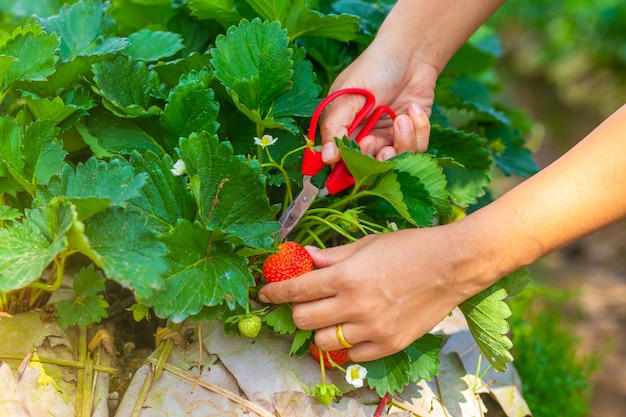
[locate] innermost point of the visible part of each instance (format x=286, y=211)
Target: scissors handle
x=340, y=178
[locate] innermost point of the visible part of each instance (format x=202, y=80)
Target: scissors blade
x=298, y=207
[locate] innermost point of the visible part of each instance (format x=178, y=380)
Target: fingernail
x=387, y=154
x=328, y=151
x=311, y=248
x=404, y=124
x=263, y=298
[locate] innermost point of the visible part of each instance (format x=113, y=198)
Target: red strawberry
x=339, y=356
x=290, y=261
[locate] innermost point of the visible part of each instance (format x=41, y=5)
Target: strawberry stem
x=381, y=405
x=322, y=368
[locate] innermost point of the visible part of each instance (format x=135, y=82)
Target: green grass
x=555, y=375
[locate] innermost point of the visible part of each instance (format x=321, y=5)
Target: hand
x=405, y=86
x=387, y=290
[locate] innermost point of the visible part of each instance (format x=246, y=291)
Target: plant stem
x=381, y=405
x=314, y=237
x=330, y=225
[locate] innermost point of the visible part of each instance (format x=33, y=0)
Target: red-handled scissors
x=339, y=178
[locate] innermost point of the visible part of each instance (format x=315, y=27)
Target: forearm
x=581, y=192
x=434, y=30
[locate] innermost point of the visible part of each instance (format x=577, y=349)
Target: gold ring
x=342, y=339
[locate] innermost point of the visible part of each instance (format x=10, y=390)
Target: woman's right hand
x=397, y=80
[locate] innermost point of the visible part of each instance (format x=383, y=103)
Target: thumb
x=338, y=117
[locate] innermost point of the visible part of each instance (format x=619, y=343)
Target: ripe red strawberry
x=339, y=356
x=290, y=261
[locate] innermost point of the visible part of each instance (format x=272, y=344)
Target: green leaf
x=107, y=134
x=202, y=273
x=515, y=282
x=5, y=64
x=67, y=74
x=418, y=361
x=229, y=191
x=223, y=11
x=29, y=246
x=301, y=100
x=190, y=108
x=467, y=180
x=89, y=307
x=147, y=45
x=140, y=312
x=471, y=60
x=171, y=71
x=254, y=62
x=416, y=199
x=43, y=154
x=363, y=168
x=388, y=188
x=9, y=213
x=301, y=342
x=35, y=53
x=486, y=315
x=281, y=320
x=514, y=159
x=31, y=156
x=85, y=28
x=164, y=199
x=11, y=138
x=128, y=88
x=425, y=169
x=300, y=20
x=114, y=181
x=424, y=357
x=118, y=241
x=389, y=374
x=62, y=110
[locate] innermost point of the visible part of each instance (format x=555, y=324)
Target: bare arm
x=433, y=30
x=400, y=68
x=581, y=192
x=390, y=289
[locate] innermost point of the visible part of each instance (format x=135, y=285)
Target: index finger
x=307, y=287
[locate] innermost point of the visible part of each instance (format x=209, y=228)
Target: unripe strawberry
x=290, y=261
x=339, y=356
x=250, y=326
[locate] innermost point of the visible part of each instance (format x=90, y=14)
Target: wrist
x=487, y=247
x=432, y=31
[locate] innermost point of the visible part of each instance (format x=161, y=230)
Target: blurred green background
x=564, y=64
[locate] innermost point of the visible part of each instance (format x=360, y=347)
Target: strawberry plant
x=127, y=143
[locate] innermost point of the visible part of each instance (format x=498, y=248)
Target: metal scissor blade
x=298, y=207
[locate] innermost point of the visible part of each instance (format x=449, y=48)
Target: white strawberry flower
x=265, y=141
x=355, y=375
x=179, y=168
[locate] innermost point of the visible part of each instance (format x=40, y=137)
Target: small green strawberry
x=249, y=326
x=326, y=393
x=290, y=261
